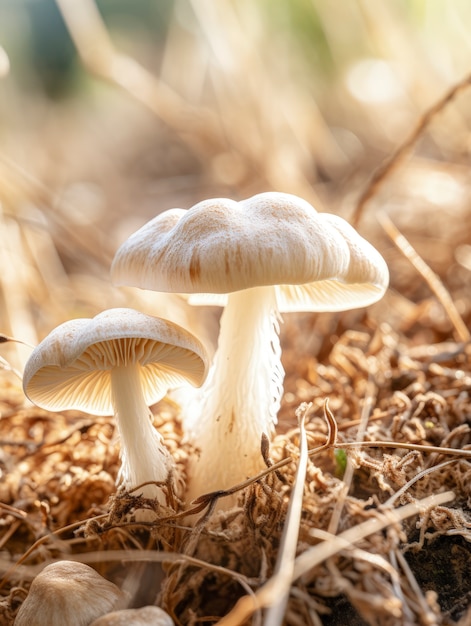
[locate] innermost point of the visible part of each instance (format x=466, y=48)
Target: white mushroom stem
x=241, y=395
x=143, y=456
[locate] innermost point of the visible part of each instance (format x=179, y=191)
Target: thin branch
x=462, y=452
x=429, y=276
x=384, y=170
x=284, y=567
x=204, y=500
x=390, y=501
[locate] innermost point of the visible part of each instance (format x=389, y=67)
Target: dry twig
x=266, y=596
x=425, y=271
x=286, y=556
x=394, y=161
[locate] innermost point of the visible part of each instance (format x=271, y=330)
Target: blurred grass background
x=111, y=112
x=173, y=101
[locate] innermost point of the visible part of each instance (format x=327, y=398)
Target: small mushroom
x=145, y=616
x=67, y=593
x=120, y=361
x=259, y=257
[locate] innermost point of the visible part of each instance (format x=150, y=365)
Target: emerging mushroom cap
x=145, y=616
x=317, y=260
x=70, y=368
x=67, y=592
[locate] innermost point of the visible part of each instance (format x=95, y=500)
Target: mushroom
x=67, y=593
x=120, y=361
x=146, y=615
x=268, y=254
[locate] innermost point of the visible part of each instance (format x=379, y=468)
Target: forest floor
x=380, y=397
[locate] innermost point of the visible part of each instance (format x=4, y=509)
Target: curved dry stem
x=332, y=432
x=154, y=556
x=200, y=503
x=6, y=338
x=463, y=452
x=384, y=170
x=432, y=280
x=390, y=501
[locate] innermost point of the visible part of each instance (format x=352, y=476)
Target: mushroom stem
x=242, y=394
x=143, y=456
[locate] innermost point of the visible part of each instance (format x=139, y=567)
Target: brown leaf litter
x=384, y=535
x=58, y=496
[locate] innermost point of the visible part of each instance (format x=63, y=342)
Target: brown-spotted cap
x=317, y=261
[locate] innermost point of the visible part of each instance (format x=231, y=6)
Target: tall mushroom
x=120, y=361
x=269, y=254
x=68, y=593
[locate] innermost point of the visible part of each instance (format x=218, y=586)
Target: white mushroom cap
x=219, y=246
x=121, y=361
x=67, y=593
x=70, y=369
x=260, y=257
x=145, y=616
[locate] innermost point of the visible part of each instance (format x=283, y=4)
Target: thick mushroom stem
x=144, y=458
x=241, y=395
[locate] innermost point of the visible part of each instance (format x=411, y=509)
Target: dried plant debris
x=397, y=427
x=384, y=531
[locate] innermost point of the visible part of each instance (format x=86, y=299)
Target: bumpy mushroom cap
x=121, y=361
x=145, y=616
x=67, y=593
x=317, y=260
x=269, y=254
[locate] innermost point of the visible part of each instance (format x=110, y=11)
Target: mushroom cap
x=317, y=260
x=146, y=615
x=71, y=367
x=67, y=592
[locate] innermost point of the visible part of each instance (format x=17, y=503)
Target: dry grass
x=378, y=511
x=354, y=546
